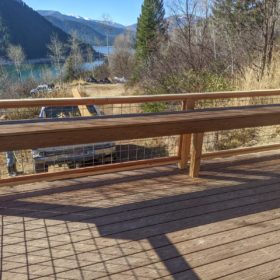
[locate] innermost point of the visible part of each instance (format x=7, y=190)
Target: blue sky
x=121, y=11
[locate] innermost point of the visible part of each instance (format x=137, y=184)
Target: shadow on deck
x=147, y=224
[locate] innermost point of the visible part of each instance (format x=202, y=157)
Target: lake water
x=104, y=49
x=38, y=71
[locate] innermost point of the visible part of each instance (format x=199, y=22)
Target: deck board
x=147, y=224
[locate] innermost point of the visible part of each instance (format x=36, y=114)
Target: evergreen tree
x=69, y=70
x=239, y=15
x=251, y=27
x=151, y=29
x=4, y=38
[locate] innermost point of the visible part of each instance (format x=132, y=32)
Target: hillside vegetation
x=90, y=31
x=23, y=26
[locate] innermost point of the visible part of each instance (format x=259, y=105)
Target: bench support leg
x=196, y=152
x=185, y=139
x=185, y=149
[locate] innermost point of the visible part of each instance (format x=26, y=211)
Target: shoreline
x=100, y=55
x=29, y=61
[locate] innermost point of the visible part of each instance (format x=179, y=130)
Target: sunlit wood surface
x=147, y=224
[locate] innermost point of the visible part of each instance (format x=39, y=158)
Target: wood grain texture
x=40, y=134
x=155, y=223
x=21, y=103
x=185, y=139
x=82, y=108
x=196, y=152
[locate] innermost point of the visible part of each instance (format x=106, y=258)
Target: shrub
x=102, y=71
x=122, y=61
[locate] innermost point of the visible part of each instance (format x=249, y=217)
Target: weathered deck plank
x=147, y=224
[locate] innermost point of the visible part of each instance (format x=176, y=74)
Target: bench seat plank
x=43, y=133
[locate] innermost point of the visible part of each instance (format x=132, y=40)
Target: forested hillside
x=91, y=31
x=23, y=26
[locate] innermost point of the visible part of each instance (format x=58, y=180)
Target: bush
x=187, y=82
x=122, y=60
x=70, y=73
x=102, y=71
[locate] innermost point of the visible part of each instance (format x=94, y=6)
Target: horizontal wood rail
x=90, y=171
x=25, y=103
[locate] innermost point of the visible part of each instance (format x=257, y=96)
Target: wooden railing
x=189, y=144
x=184, y=97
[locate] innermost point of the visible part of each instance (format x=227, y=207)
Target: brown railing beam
x=25, y=103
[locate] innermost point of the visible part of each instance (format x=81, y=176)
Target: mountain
x=177, y=21
x=132, y=27
x=173, y=22
x=91, y=31
x=29, y=29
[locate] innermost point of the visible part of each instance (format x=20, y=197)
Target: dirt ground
x=98, y=90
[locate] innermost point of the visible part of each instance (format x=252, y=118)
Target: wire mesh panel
x=236, y=102
x=49, y=112
x=15, y=163
x=241, y=138
x=140, y=108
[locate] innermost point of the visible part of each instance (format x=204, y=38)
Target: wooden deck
x=147, y=224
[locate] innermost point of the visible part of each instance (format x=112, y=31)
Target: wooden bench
x=40, y=134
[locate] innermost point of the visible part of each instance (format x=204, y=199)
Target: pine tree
x=151, y=29
x=4, y=38
x=239, y=14
x=69, y=70
x=251, y=27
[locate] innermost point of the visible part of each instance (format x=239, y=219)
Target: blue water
x=103, y=49
x=37, y=71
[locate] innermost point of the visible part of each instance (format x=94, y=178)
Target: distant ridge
x=29, y=29
x=91, y=31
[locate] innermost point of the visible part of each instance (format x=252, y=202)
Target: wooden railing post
x=196, y=153
x=185, y=139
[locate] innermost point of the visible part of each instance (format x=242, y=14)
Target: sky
x=124, y=12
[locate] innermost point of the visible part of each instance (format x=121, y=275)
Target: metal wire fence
x=62, y=158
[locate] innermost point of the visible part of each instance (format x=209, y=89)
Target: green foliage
x=250, y=28
x=102, y=71
x=151, y=29
x=69, y=70
x=248, y=11
x=186, y=82
x=238, y=17
x=190, y=81
x=155, y=107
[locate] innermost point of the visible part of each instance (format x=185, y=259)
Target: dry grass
x=105, y=90
x=252, y=136
x=251, y=82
